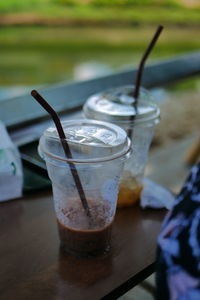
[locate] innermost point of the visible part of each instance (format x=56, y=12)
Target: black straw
x=65, y=146
x=140, y=73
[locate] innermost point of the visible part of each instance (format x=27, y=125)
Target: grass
x=135, y=14
x=13, y=6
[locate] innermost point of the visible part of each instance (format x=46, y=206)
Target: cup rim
x=91, y=112
x=121, y=138
x=125, y=153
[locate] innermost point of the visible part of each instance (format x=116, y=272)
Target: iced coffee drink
x=94, y=237
x=116, y=106
x=99, y=151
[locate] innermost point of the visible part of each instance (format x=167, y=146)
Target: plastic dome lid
x=116, y=105
x=89, y=141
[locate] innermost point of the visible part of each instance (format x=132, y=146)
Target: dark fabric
x=178, y=254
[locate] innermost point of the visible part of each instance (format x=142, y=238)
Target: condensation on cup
x=99, y=151
x=116, y=106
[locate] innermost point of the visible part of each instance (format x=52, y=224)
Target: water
x=50, y=55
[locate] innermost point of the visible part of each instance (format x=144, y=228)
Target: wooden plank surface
x=33, y=267
x=167, y=166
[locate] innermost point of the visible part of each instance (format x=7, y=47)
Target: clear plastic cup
x=99, y=151
x=116, y=106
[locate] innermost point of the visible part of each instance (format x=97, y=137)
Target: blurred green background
x=48, y=41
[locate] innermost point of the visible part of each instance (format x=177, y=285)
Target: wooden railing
x=22, y=115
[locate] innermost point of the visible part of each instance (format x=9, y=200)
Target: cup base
x=85, y=243
x=80, y=254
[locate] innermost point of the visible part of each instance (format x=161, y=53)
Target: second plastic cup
x=99, y=150
x=116, y=106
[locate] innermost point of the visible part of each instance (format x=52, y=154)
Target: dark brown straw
x=65, y=146
x=140, y=73
x=142, y=62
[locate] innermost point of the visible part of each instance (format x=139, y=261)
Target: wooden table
x=33, y=267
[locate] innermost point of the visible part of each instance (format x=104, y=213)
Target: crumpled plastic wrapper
x=155, y=196
x=11, y=175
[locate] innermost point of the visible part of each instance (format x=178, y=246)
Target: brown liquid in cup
x=128, y=197
x=85, y=243
x=129, y=190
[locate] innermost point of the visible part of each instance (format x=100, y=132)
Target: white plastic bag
x=11, y=175
x=155, y=196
